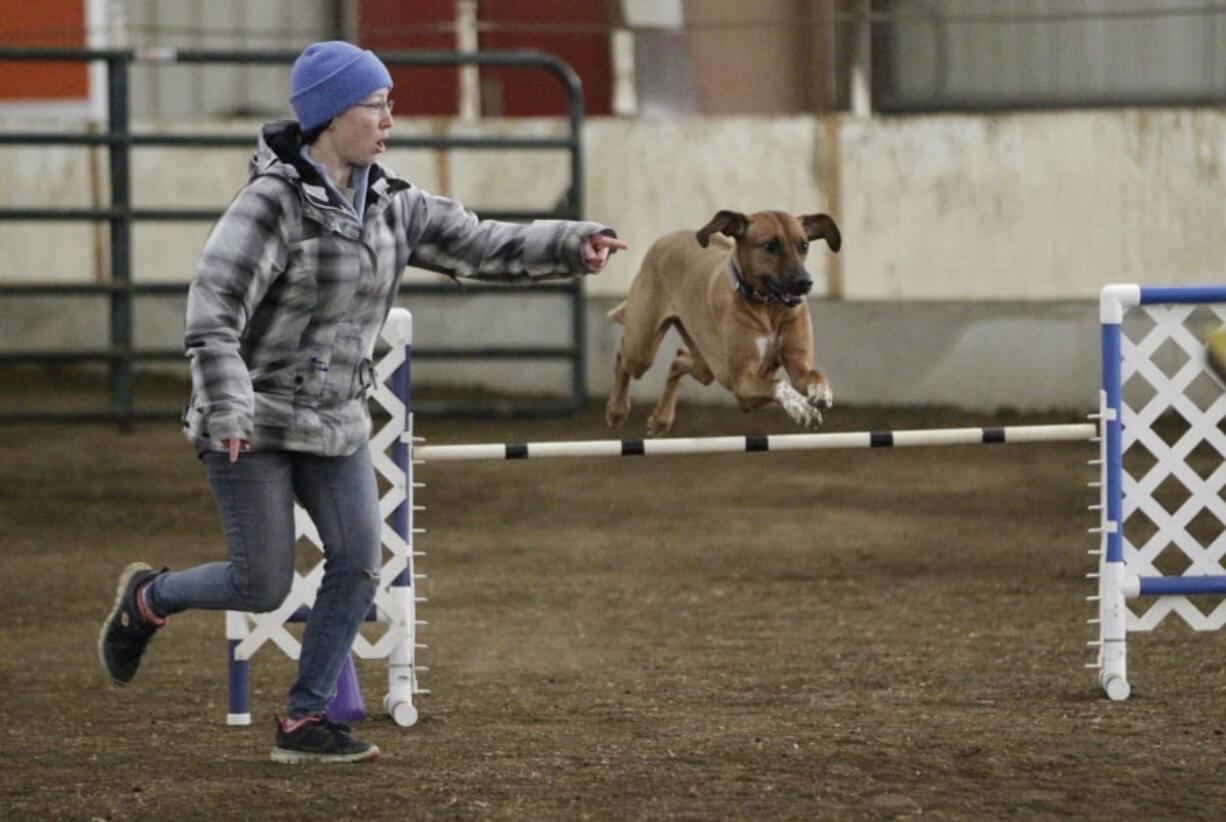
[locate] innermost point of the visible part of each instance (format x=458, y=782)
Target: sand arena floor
x=855, y=634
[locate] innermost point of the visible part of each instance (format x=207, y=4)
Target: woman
x=291, y=290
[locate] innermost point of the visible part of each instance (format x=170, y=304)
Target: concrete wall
x=973, y=245
x=217, y=89
x=1052, y=51
x=1032, y=206
x=979, y=356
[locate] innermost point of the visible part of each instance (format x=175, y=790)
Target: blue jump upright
x=1155, y=374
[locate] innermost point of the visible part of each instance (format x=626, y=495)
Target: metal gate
x=121, y=356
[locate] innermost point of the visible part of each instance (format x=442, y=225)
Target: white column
x=862, y=65
x=104, y=27
x=625, y=93
x=470, y=77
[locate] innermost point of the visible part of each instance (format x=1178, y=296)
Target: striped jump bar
x=1082, y=432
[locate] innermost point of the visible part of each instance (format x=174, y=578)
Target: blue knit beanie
x=328, y=78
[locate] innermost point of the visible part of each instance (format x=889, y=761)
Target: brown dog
x=740, y=309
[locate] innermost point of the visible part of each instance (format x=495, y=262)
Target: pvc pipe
x=1079, y=432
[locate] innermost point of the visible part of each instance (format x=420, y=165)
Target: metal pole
x=338, y=20
x=121, y=239
x=574, y=96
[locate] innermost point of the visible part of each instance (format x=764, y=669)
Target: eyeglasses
x=386, y=104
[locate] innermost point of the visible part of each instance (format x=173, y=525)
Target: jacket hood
x=277, y=153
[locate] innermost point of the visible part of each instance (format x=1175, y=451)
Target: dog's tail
x=618, y=315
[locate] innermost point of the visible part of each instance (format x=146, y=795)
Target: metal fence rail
x=118, y=139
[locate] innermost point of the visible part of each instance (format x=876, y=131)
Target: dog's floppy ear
x=822, y=227
x=732, y=223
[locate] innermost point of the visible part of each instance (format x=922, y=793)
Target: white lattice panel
x=376, y=640
x=1173, y=448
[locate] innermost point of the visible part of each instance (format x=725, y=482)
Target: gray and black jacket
x=291, y=291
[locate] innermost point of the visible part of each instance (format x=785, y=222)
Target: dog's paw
x=657, y=427
x=797, y=406
x=813, y=420
x=615, y=414
x=821, y=397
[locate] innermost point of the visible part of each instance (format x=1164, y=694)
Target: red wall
x=426, y=91
x=51, y=23
x=517, y=92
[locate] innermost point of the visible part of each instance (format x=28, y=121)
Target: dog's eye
x=803, y=247
x=771, y=246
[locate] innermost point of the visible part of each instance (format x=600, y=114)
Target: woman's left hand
x=597, y=248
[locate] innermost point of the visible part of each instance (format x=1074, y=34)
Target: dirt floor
x=854, y=634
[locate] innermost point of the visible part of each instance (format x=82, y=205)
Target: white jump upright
x=1160, y=408
x=396, y=599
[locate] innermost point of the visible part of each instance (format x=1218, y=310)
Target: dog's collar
x=743, y=288
x=746, y=290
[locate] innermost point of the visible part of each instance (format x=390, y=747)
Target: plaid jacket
x=291, y=291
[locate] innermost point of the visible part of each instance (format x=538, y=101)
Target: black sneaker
x=316, y=739
x=127, y=630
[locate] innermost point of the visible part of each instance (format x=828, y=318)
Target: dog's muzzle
x=789, y=293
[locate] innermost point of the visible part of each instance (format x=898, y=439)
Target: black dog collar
x=739, y=284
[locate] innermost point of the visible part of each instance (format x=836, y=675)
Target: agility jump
x=1155, y=369
x=1083, y=432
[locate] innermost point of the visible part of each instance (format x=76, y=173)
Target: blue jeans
x=256, y=499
